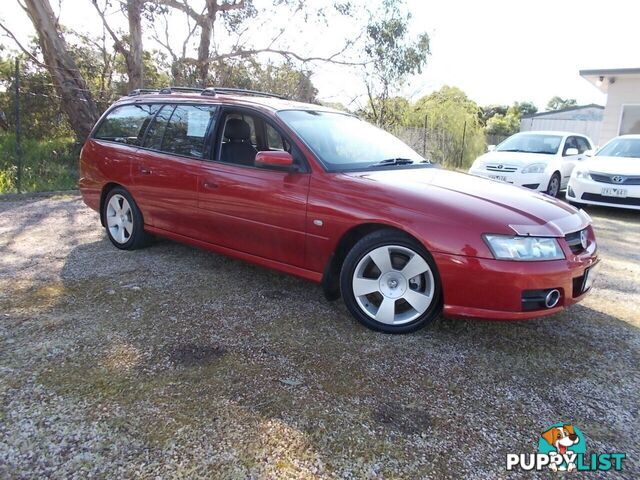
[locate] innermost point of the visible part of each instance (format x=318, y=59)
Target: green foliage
x=46, y=164
x=283, y=79
x=446, y=112
x=39, y=105
x=393, y=56
x=503, y=121
x=559, y=103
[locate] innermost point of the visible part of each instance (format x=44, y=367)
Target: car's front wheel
x=553, y=188
x=390, y=283
x=123, y=220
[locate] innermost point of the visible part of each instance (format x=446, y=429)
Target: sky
x=497, y=51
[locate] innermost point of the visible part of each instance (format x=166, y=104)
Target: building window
x=630, y=121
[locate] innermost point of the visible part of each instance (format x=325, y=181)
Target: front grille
x=574, y=241
x=501, y=168
x=606, y=178
x=594, y=197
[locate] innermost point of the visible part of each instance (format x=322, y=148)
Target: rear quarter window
x=126, y=124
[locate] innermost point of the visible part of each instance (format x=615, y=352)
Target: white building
x=622, y=112
x=585, y=119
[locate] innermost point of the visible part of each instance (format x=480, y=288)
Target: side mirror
x=279, y=160
x=491, y=148
x=589, y=153
x=571, y=151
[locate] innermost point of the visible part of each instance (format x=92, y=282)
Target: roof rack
x=210, y=91
x=141, y=91
x=242, y=91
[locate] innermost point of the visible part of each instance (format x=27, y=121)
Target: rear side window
x=155, y=134
x=186, y=130
x=126, y=124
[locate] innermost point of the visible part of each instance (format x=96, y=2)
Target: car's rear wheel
x=553, y=188
x=123, y=220
x=390, y=283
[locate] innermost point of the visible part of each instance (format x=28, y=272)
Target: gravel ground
x=171, y=362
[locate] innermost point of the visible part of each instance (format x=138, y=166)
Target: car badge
x=583, y=239
x=500, y=167
x=617, y=179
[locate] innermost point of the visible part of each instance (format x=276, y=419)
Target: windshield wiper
x=392, y=161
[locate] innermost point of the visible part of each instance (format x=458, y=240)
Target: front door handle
x=210, y=185
x=145, y=171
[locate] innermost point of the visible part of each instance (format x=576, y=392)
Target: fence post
x=17, y=113
x=424, y=137
x=464, y=134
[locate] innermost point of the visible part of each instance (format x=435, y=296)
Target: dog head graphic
x=561, y=437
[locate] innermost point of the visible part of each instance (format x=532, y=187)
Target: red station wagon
x=320, y=194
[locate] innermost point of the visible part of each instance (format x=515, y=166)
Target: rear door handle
x=210, y=185
x=145, y=171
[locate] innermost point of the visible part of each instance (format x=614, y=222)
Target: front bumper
x=493, y=289
x=587, y=191
x=534, y=181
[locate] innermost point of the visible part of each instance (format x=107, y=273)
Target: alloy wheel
x=119, y=217
x=554, y=186
x=393, y=284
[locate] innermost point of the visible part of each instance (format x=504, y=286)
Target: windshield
x=531, y=143
x=621, y=147
x=342, y=142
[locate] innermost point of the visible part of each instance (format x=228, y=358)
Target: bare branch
x=119, y=46
x=226, y=7
x=21, y=47
x=289, y=54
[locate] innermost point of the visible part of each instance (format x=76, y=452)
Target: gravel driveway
x=173, y=362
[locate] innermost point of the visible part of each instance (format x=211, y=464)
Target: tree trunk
x=134, y=57
x=76, y=99
x=207, y=21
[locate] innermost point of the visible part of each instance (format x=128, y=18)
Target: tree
x=526, y=108
x=205, y=22
x=559, y=103
x=130, y=46
x=393, y=56
x=77, y=100
x=450, y=114
x=504, y=121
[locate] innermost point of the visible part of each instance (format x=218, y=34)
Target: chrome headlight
x=534, y=168
x=505, y=247
x=579, y=173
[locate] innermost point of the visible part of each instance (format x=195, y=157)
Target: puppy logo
x=564, y=442
x=563, y=448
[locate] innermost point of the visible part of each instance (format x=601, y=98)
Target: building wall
x=589, y=127
x=623, y=91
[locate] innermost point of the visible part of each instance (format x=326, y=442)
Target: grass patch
x=47, y=165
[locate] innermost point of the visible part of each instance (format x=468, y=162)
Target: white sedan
x=541, y=161
x=610, y=178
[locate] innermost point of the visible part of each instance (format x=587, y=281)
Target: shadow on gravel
x=227, y=348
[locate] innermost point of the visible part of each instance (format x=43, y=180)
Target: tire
x=123, y=220
x=379, y=294
x=553, y=188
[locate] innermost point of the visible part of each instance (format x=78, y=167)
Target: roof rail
x=169, y=90
x=210, y=91
x=242, y=91
x=141, y=91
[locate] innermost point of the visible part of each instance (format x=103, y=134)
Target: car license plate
x=589, y=276
x=614, y=192
x=501, y=178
